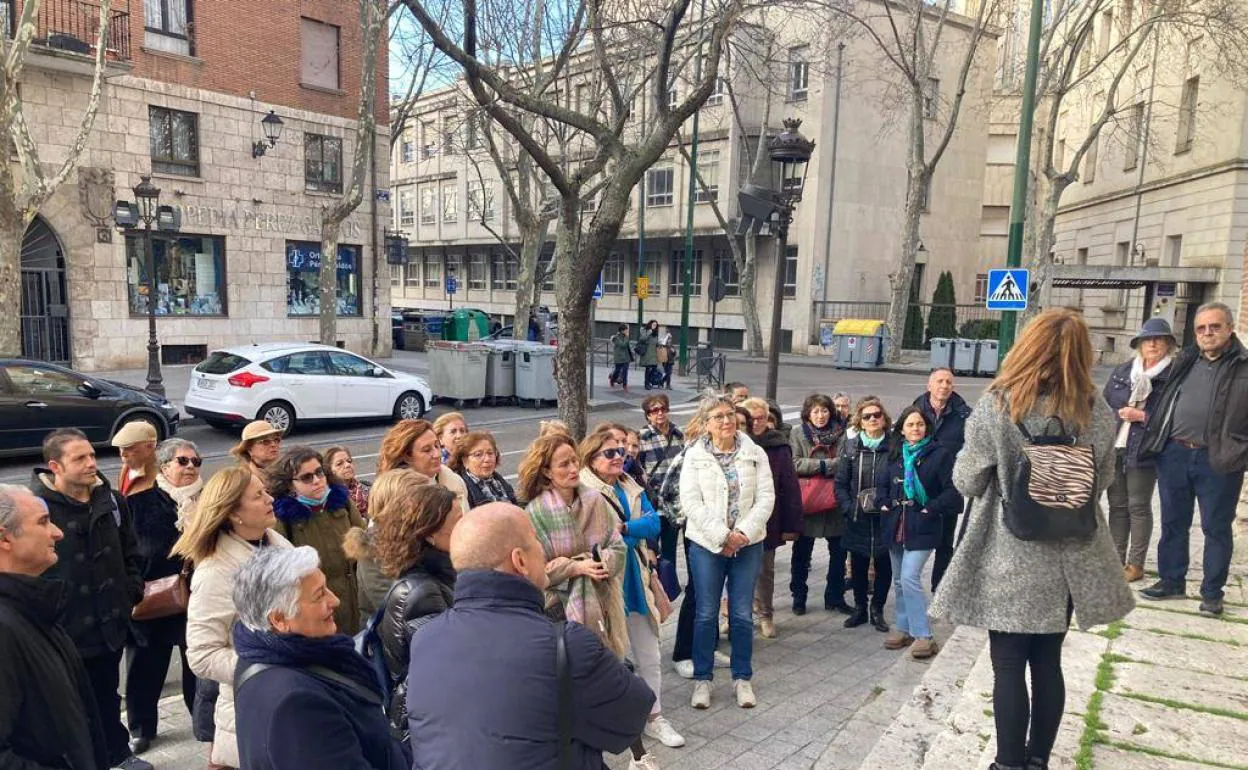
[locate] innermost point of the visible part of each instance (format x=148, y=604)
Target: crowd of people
x=441, y=617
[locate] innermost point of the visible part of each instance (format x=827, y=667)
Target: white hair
x=269, y=582
x=10, y=517
x=169, y=448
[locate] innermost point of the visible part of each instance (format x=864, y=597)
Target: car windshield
x=220, y=362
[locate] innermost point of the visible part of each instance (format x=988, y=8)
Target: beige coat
x=642, y=553
x=209, y=623
x=450, y=480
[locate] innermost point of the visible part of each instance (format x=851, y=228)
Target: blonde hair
x=695, y=428
x=221, y=496
x=445, y=420
x=1050, y=368
x=547, y=427
x=531, y=477
x=754, y=402
x=855, y=417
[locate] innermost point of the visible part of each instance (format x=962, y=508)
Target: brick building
x=187, y=86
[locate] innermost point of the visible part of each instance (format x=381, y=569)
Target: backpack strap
x=565, y=696
x=244, y=675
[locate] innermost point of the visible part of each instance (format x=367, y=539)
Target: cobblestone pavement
x=810, y=680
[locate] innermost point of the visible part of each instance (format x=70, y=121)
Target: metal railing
x=73, y=25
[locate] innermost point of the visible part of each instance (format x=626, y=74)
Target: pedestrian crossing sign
x=1007, y=289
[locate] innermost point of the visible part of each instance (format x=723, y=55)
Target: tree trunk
x=12, y=230
x=899, y=296
x=748, y=269
x=570, y=358
x=1042, y=262
x=327, y=280
x=528, y=287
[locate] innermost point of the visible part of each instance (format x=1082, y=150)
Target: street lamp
x=271, y=124
x=147, y=210
x=789, y=152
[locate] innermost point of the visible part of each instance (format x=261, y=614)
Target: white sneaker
x=745, y=693
x=662, y=731
x=701, y=695
x=684, y=668
x=647, y=762
x=722, y=660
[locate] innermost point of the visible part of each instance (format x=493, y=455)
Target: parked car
x=289, y=382
x=37, y=397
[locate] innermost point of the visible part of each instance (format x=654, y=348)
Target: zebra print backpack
x=1053, y=497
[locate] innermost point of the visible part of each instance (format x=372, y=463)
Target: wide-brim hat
x=1152, y=329
x=259, y=429
x=137, y=432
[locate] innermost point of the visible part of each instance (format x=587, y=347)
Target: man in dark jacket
x=948, y=413
x=1201, y=444
x=48, y=716
x=483, y=688
x=101, y=566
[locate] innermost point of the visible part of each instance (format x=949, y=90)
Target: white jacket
x=704, y=494
x=209, y=625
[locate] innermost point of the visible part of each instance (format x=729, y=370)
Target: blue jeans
x=909, y=596
x=1183, y=478
x=709, y=571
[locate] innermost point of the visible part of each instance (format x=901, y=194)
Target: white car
x=290, y=382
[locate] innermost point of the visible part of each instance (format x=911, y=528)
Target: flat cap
x=137, y=432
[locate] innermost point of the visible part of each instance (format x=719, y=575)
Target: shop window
x=322, y=163
x=303, y=266
x=174, y=141
x=190, y=275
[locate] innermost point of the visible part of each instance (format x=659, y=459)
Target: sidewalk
x=1164, y=689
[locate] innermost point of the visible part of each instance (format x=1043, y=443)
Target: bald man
x=486, y=693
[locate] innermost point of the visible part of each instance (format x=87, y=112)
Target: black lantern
x=271, y=124
x=791, y=152
x=147, y=196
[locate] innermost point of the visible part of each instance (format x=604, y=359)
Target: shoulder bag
x=164, y=597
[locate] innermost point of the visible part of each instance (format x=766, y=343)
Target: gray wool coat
x=1001, y=583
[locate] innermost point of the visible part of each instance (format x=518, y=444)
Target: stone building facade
x=187, y=85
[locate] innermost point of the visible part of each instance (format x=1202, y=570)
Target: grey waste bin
x=457, y=370
x=964, y=356
x=986, y=362
x=942, y=353
x=535, y=374
x=859, y=344
x=500, y=372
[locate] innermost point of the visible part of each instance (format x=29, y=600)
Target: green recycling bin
x=466, y=325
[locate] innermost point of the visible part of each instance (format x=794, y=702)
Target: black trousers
x=859, y=566
x=944, y=551
x=803, y=550
x=104, y=672
x=1013, y=711
x=146, y=669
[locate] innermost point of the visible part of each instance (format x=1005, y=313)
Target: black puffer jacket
x=424, y=591
x=862, y=470
x=949, y=429
x=99, y=560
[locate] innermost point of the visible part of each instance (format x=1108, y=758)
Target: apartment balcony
x=66, y=31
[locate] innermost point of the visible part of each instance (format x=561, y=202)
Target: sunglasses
x=185, y=461
x=311, y=476
x=657, y=410
x=872, y=415
x=613, y=454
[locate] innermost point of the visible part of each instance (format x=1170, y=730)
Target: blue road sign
x=451, y=285
x=598, y=289
x=1007, y=289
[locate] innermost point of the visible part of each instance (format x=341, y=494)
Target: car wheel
x=279, y=414
x=410, y=406
x=151, y=420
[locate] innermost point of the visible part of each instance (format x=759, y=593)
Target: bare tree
x=910, y=34
x=420, y=65
x=373, y=14
x=1090, y=65
x=629, y=50
x=23, y=193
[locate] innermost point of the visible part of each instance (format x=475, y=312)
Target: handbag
x=818, y=494
x=164, y=597
x=661, y=602
x=662, y=354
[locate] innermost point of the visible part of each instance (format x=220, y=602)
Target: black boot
x=840, y=607
x=877, y=620
x=1035, y=763
x=799, y=605
x=857, y=619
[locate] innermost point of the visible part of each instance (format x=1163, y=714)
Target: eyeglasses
x=657, y=410
x=872, y=415
x=1210, y=328
x=311, y=476
x=613, y=453
x=723, y=417
x=185, y=461
x=274, y=441
x=482, y=455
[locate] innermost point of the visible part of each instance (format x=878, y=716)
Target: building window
x=319, y=54
x=413, y=274
x=174, y=141
x=652, y=269
x=448, y=137
x=190, y=274
x=433, y=271
x=450, y=212
x=726, y=271
x=407, y=207
x=660, y=186
x=476, y=270
x=708, y=170
x=1089, y=161
x=1135, y=132
x=428, y=200
x=322, y=163
x=428, y=140
x=1174, y=250
x=719, y=93
x=676, y=270
x=546, y=269
x=303, y=273
x=504, y=270
x=613, y=274
x=472, y=126
x=981, y=288
x=790, y=272
x=481, y=201
x=1187, y=115
x=931, y=98
x=396, y=275
x=166, y=25
x=407, y=151
x=799, y=73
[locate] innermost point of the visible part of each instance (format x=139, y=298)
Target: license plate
x=207, y=384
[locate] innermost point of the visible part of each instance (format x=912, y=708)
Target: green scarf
x=909, y=455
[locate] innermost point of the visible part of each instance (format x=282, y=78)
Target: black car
x=37, y=397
